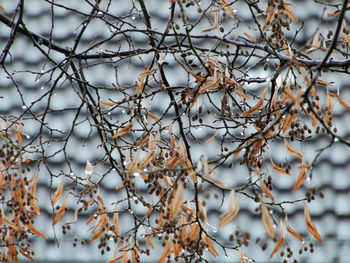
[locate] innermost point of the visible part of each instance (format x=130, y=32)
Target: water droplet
x=99, y=13
x=136, y=174
x=133, y=17
x=42, y=71
x=95, y=215
x=85, y=24
x=24, y=107
x=28, y=137
x=336, y=139
x=159, y=235
x=42, y=87
x=123, y=111
x=55, y=94
x=71, y=173
x=109, y=113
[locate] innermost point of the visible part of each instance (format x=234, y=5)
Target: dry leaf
x=315, y=45
x=60, y=212
x=233, y=208
x=343, y=103
x=197, y=77
x=289, y=12
x=194, y=231
x=228, y=8
x=57, y=194
x=2, y=8
x=140, y=81
x=166, y=251
x=211, y=247
x=280, y=240
x=320, y=81
x=134, y=254
x=329, y=112
x=202, y=214
x=177, y=248
x=176, y=201
x=270, y=11
x=310, y=225
x=215, y=63
x=251, y=38
x=124, y=130
x=301, y=178
x=116, y=220
x=149, y=241
x=291, y=150
x=120, y=186
x=26, y=253
x=18, y=132
x=107, y=103
x=133, y=165
x=288, y=121
x=344, y=32
x=216, y=23
x=333, y=95
x=75, y=218
x=266, y=190
x=154, y=117
x=310, y=116
x=8, y=221
x=242, y=95
x=211, y=138
x=288, y=50
x=215, y=181
x=126, y=256
x=98, y=233
x=257, y=106
x=334, y=13
x=114, y=259
x=292, y=232
x=267, y=221
x=279, y=169
x=148, y=158
x=35, y=231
